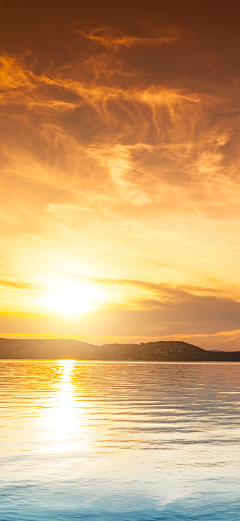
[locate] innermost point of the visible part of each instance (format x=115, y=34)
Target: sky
x=119, y=158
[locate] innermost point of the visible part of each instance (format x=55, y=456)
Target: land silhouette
x=162, y=351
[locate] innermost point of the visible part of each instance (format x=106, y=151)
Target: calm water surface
x=119, y=441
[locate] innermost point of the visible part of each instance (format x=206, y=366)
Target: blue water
x=119, y=441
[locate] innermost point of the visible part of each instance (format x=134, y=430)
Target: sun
x=73, y=299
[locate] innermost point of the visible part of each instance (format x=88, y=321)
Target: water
x=119, y=441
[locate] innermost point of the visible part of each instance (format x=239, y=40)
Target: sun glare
x=62, y=425
x=73, y=299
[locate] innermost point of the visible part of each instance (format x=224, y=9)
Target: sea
x=119, y=441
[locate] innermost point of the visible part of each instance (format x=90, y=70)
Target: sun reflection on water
x=63, y=423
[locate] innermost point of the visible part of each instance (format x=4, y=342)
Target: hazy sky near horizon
x=119, y=157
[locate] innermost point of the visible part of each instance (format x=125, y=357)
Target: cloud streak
x=18, y=285
x=105, y=38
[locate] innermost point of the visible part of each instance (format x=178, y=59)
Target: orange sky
x=120, y=196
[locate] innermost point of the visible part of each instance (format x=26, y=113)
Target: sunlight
x=71, y=299
x=64, y=420
x=63, y=423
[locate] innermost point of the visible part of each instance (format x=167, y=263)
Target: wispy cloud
x=154, y=144
x=104, y=37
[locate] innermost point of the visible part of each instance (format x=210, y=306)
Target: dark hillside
x=152, y=351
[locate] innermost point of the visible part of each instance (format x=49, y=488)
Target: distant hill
x=162, y=351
